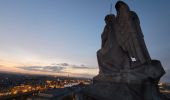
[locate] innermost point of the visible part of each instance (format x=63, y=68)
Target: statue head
x=121, y=7
x=109, y=19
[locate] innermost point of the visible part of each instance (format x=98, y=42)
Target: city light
x=33, y=88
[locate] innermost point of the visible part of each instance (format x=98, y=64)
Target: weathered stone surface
x=129, y=34
x=120, y=77
x=139, y=75
x=135, y=84
x=111, y=57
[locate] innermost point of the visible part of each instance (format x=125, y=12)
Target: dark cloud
x=82, y=67
x=54, y=68
x=74, y=66
x=61, y=64
x=60, y=68
x=43, y=68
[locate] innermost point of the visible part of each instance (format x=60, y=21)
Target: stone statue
x=125, y=66
x=122, y=40
x=130, y=36
x=111, y=57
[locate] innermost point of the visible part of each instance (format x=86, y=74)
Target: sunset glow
x=60, y=37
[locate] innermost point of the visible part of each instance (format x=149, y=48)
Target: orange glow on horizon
x=72, y=72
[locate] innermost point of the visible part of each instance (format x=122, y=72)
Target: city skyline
x=61, y=37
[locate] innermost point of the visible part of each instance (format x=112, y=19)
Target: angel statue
x=129, y=35
x=111, y=57
x=123, y=45
x=125, y=66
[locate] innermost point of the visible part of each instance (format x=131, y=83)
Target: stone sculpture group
x=126, y=70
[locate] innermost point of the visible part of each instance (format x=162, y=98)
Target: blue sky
x=50, y=32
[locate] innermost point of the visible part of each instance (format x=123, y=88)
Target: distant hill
x=166, y=77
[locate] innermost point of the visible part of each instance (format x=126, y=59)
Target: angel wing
x=130, y=37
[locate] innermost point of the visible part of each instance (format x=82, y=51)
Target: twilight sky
x=62, y=36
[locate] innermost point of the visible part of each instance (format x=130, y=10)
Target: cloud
x=54, y=67
x=74, y=66
x=61, y=64
x=43, y=68
x=82, y=67
x=63, y=68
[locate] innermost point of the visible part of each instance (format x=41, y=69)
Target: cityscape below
x=34, y=87
x=15, y=86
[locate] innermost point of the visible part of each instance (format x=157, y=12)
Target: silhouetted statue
x=122, y=41
x=111, y=57
x=126, y=71
x=129, y=34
